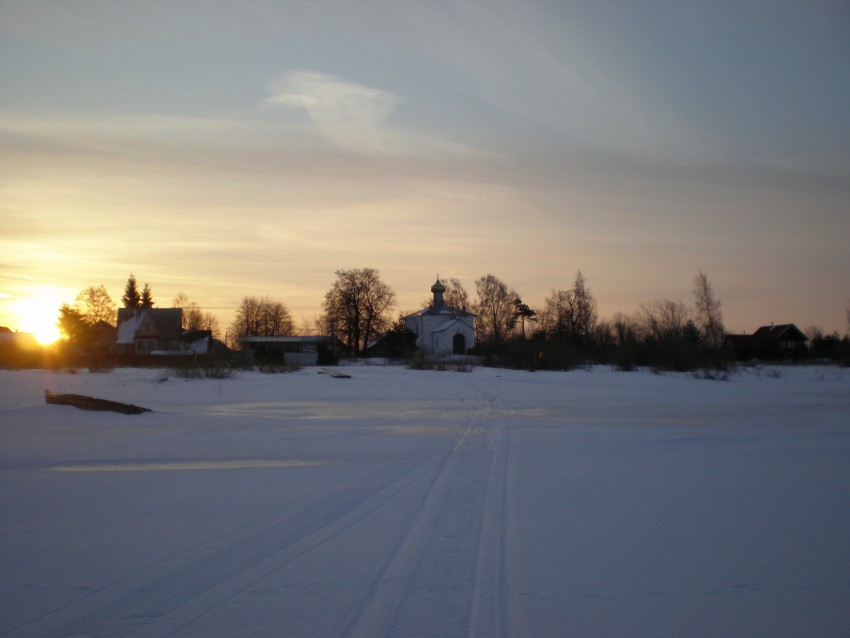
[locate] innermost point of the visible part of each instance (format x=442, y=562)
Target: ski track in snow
x=429, y=504
x=442, y=576
x=454, y=539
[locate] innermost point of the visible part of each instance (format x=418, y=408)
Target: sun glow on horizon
x=38, y=316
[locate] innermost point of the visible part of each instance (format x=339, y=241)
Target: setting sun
x=38, y=316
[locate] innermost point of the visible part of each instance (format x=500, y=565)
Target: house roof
x=781, y=332
x=127, y=327
x=167, y=322
x=766, y=336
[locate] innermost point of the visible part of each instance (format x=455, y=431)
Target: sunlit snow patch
x=185, y=465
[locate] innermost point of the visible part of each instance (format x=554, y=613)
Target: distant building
x=158, y=332
x=441, y=329
x=19, y=341
x=291, y=349
x=18, y=348
x=774, y=341
x=144, y=331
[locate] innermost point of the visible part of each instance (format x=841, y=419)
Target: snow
x=127, y=329
x=426, y=503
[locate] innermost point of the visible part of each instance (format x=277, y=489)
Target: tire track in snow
x=445, y=576
x=166, y=597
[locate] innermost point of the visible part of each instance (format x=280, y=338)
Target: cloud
x=348, y=114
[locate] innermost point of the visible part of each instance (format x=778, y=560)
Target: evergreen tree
x=147, y=297
x=73, y=325
x=525, y=313
x=132, y=298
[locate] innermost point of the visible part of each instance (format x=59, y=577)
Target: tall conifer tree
x=131, y=298
x=147, y=297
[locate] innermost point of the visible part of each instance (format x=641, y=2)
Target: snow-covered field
x=422, y=503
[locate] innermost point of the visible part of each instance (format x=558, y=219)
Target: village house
x=441, y=329
x=156, y=332
x=773, y=341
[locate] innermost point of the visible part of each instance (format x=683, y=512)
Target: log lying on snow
x=83, y=402
x=336, y=374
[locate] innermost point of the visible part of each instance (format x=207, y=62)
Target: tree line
x=565, y=330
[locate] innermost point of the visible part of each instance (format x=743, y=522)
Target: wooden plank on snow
x=336, y=374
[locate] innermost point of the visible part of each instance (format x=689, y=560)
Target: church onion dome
x=438, y=286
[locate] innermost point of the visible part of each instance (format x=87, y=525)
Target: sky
x=226, y=149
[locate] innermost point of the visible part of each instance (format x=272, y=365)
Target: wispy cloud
x=348, y=114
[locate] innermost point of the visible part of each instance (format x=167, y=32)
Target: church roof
x=438, y=308
x=446, y=311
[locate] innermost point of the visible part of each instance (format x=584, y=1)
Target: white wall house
x=441, y=329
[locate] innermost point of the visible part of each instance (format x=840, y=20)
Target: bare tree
x=603, y=334
x=663, y=320
x=208, y=321
x=261, y=317
x=709, y=319
x=308, y=327
x=625, y=329
x=584, y=312
x=324, y=324
x=248, y=320
x=813, y=333
x=357, y=307
x=95, y=304
x=181, y=300
x=455, y=295
x=847, y=310
x=276, y=318
x=571, y=314
x=495, y=309
x=553, y=317
x=194, y=318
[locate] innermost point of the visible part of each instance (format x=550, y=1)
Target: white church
x=441, y=329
